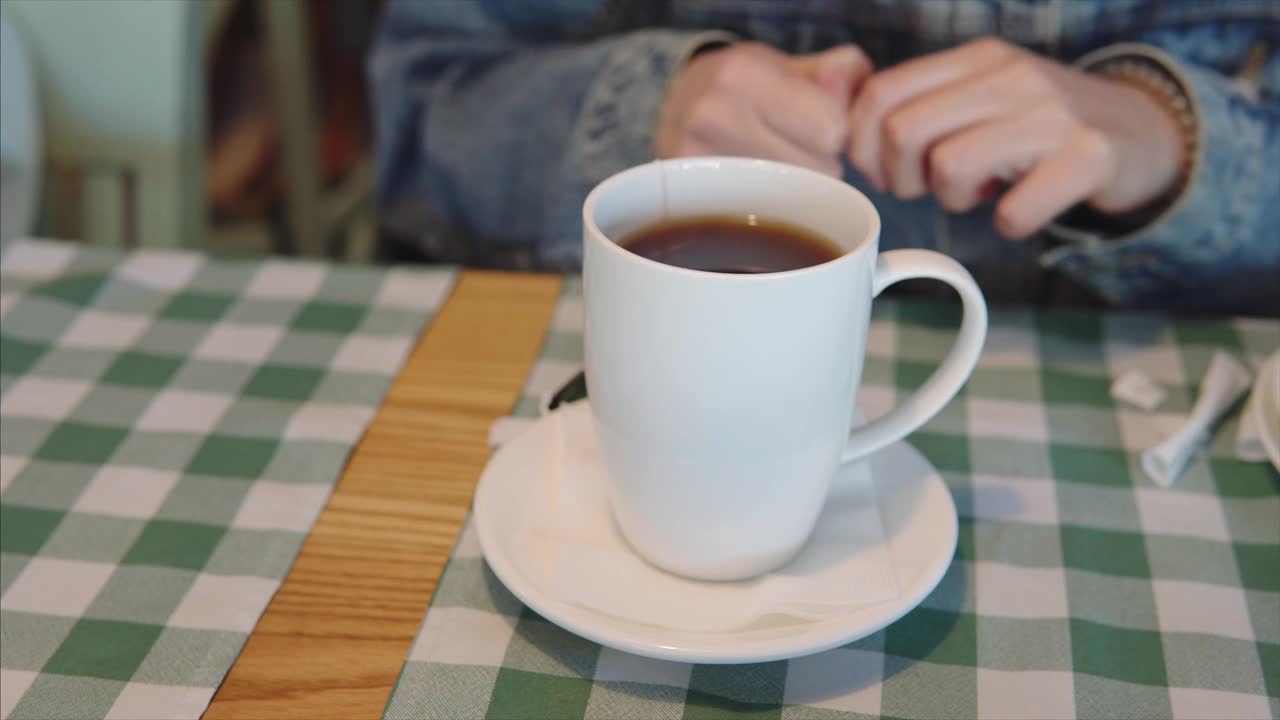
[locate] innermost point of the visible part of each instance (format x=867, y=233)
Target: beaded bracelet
x=1149, y=76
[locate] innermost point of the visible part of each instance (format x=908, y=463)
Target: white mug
x=722, y=403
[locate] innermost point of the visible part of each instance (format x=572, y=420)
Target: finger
x=888, y=89
x=914, y=127
x=961, y=168
x=839, y=71
x=1057, y=182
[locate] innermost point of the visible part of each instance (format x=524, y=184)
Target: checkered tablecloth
x=1079, y=589
x=171, y=427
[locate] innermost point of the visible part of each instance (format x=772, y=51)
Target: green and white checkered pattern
x=172, y=426
x=1079, y=589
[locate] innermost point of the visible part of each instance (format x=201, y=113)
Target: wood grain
x=333, y=639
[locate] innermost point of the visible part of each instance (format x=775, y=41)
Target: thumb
x=838, y=71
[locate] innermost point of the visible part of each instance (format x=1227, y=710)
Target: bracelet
x=1149, y=76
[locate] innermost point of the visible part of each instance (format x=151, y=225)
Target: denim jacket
x=495, y=117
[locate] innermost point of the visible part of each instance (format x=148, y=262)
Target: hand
x=958, y=122
x=752, y=100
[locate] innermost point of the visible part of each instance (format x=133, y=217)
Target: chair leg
x=291, y=84
x=169, y=209
x=104, y=199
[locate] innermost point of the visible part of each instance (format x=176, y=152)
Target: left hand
x=752, y=100
x=958, y=122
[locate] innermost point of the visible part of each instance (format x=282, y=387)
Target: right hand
x=752, y=100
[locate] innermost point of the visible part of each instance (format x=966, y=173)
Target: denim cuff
x=1200, y=228
x=615, y=128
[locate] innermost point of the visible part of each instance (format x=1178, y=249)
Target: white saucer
x=1264, y=404
x=920, y=528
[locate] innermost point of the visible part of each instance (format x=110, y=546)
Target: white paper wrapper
x=1138, y=389
x=1224, y=383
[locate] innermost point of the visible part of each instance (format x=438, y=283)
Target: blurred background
x=233, y=126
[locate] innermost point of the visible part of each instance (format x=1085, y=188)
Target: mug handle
x=937, y=391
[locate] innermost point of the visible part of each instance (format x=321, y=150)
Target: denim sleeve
x=1217, y=247
x=492, y=128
